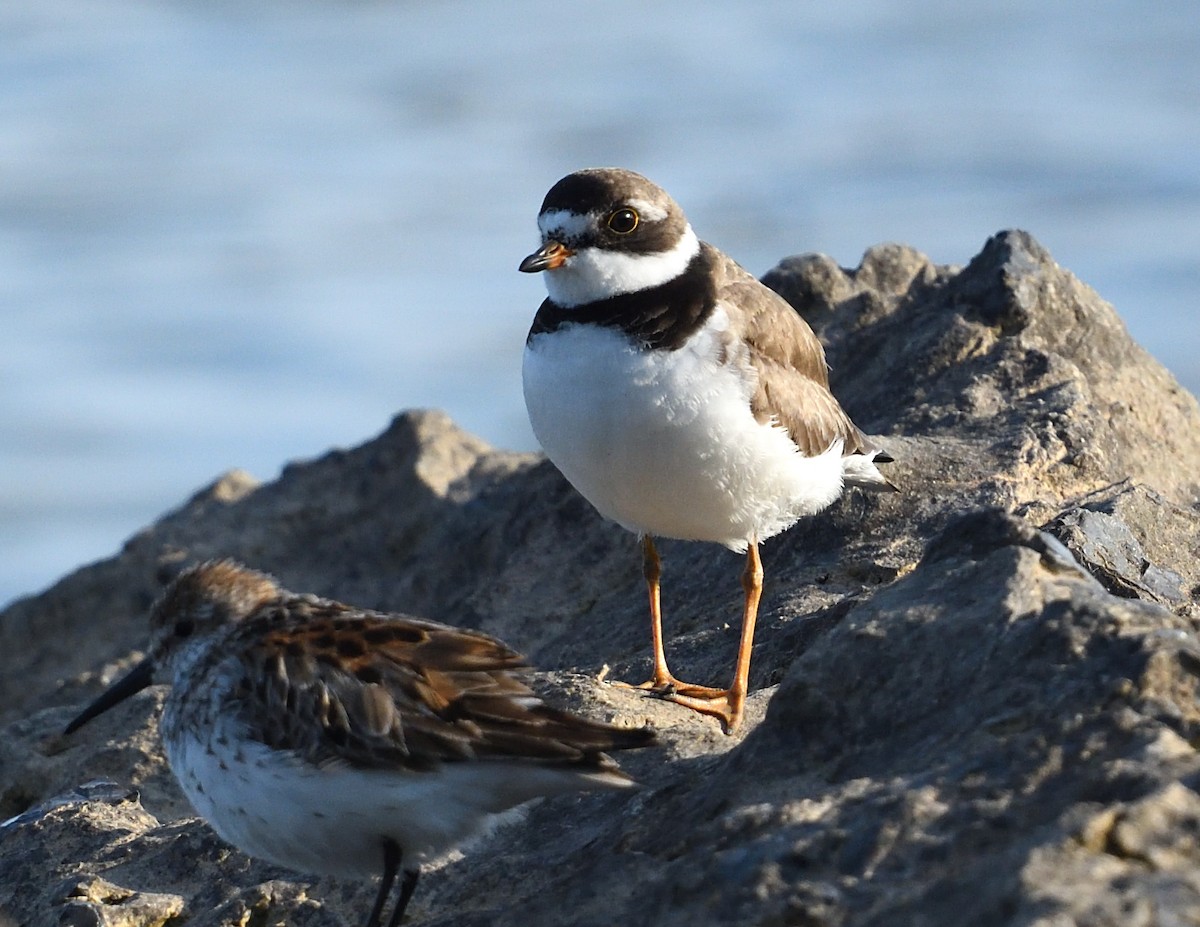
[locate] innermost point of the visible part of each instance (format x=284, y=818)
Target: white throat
x=591, y=274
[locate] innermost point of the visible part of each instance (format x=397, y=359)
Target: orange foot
x=667, y=686
x=719, y=703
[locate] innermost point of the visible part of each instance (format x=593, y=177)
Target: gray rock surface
x=975, y=700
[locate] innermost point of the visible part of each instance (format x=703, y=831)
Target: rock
x=975, y=701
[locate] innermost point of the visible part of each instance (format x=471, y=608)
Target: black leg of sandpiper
x=391, y=865
x=407, y=886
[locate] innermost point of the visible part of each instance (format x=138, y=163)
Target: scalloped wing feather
x=390, y=691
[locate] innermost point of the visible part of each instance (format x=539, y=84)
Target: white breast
x=663, y=442
x=333, y=819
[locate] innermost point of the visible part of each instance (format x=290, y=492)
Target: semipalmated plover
x=678, y=394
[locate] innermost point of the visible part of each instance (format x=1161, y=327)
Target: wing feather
x=788, y=364
x=335, y=684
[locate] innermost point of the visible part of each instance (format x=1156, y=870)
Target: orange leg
x=652, y=570
x=727, y=704
x=724, y=704
x=662, y=682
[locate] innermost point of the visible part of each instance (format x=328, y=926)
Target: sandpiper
x=678, y=394
x=336, y=740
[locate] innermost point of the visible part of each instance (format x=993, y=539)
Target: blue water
x=236, y=234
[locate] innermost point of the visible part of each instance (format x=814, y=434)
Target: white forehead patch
x=648, y=211
x=592, y=274
x=562, y=224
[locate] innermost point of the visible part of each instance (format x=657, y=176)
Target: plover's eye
x=183, y=629
x=623, y=221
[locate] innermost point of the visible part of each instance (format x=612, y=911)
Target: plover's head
x=196, y=603
x=607, y=231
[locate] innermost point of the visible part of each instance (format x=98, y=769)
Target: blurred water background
x=240, y=233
